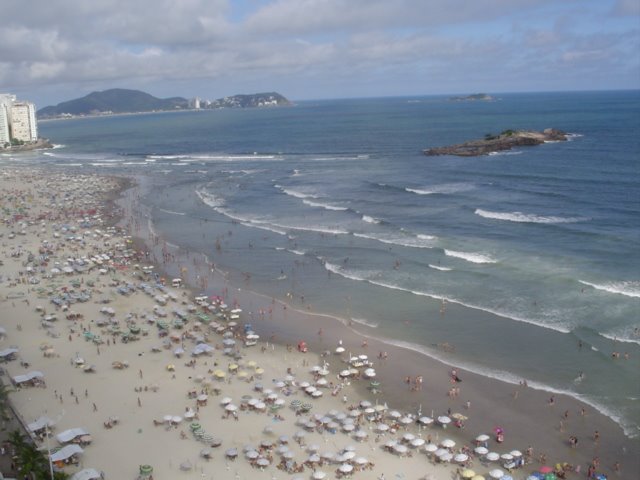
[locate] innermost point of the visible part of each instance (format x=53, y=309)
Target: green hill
x=115, y=100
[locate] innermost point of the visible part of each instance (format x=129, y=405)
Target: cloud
x=320, y=46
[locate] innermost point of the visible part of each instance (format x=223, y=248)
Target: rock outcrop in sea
x=497, y=143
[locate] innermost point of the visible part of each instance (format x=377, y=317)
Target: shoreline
x=296, y=324
x=527, y=420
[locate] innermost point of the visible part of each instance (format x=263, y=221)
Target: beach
x=134, y=398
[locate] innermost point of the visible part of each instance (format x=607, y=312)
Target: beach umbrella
x=516, y=453
x=263, y=462
x=493, y=456
x=507, y=477
x=176, y=419
x=441, y=451
x=345, y=468
x=417, y=442
x=482, y=438
x=394, y=414
x=232, y=452
x=230, y=407
x=252, y=454
x=425, y=420
x=461, y=457
x=383, y=427
x=206, y=452
x=215, y=442
x=448, y=443
x=478, y=477
x=349, y=427
x=481, y=450
x=360, y=435
x=349, y=455
x=189, y=414
x=444, y=420
x=407, y=437
x=446, y=457
x=328, y=455
x=223, y=401
x=313, y=458
x=318, y=475
x=468, y=473
x=186, y=466
x=430, y=447
x=167, y=418
x=400, y=449
x=506, y=456
x=361, y=461
x=496, y=473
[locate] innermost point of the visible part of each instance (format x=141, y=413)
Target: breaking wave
x=525, y=217
x=470, y=256
x=627, y=288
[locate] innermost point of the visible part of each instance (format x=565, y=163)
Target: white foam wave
x=296, y=252
x=326, y=206
x=261, y=226
x=58, y=145
x=295, y=193
x=365, y=322
x=369, y=219
x=505, y=152
x=171, y=212
x=619, y=338
x=437, y=267
x=525, y=217
x=214, y=158
x=626, y=288
x=314, y=228
x=370, y=277
x=419, y=241
x=445, y=188
x=209, y=198
x=470, y=256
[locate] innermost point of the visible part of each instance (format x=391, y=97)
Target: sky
x=56, y=50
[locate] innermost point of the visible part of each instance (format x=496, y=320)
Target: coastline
x=527, y=420
x=531, y=418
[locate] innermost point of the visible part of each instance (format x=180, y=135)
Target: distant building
x=24, y=125
x=194, y=103
x=5, y=134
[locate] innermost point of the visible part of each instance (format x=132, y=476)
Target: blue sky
x=311, y=49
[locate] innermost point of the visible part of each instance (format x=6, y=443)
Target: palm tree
x=4, y=400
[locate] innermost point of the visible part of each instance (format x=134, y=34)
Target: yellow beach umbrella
x=468, y=473
x=219, y=374
x=242, y=374
x=259, y=371
x=252, y=364
x=478, y=477
x=233, y=367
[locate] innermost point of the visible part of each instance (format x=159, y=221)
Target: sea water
x=525, y=262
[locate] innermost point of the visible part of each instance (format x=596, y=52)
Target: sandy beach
x=81, y=305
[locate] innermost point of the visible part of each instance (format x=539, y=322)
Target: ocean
x=525, y=265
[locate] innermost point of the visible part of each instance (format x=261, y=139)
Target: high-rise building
x=24, y=126
x=5, y=134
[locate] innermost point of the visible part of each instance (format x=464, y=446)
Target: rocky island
x=497, y=143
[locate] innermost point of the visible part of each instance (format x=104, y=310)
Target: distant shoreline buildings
x=18, y=123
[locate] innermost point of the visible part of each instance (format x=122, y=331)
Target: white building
x=5, y=134
x=23, y=122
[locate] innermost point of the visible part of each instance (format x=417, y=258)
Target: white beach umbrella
x=252, y=454
x=345, y=468
x=230, y=407
x=430, y=447
x=447, y=457
x=482, y=437
x=425, y=420
x=406, y=420
x=225, y=401
x=366, y=404
x=263, y=462
x=444, y=420
x=417, y=442
x=493, y=456
x=349, y=454
x=481, y=450
x=441, y=451
x=400, y=449
x=448, y=443
x=391, y=443
x=318, y=475
x=496, y=473
x=361, y=461
x=507, y=457
x=516, y=453
x=314, y=447
x=349, y=427
x=395, y=414
x=383, y=427
x=313, y=458
x=407, y=437
x=460, y=457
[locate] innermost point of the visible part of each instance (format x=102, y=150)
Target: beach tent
x=7, y=353
x=28, y=377
x=39, y=424
x=87, y=474
x=68, y=435
x=66, y=452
